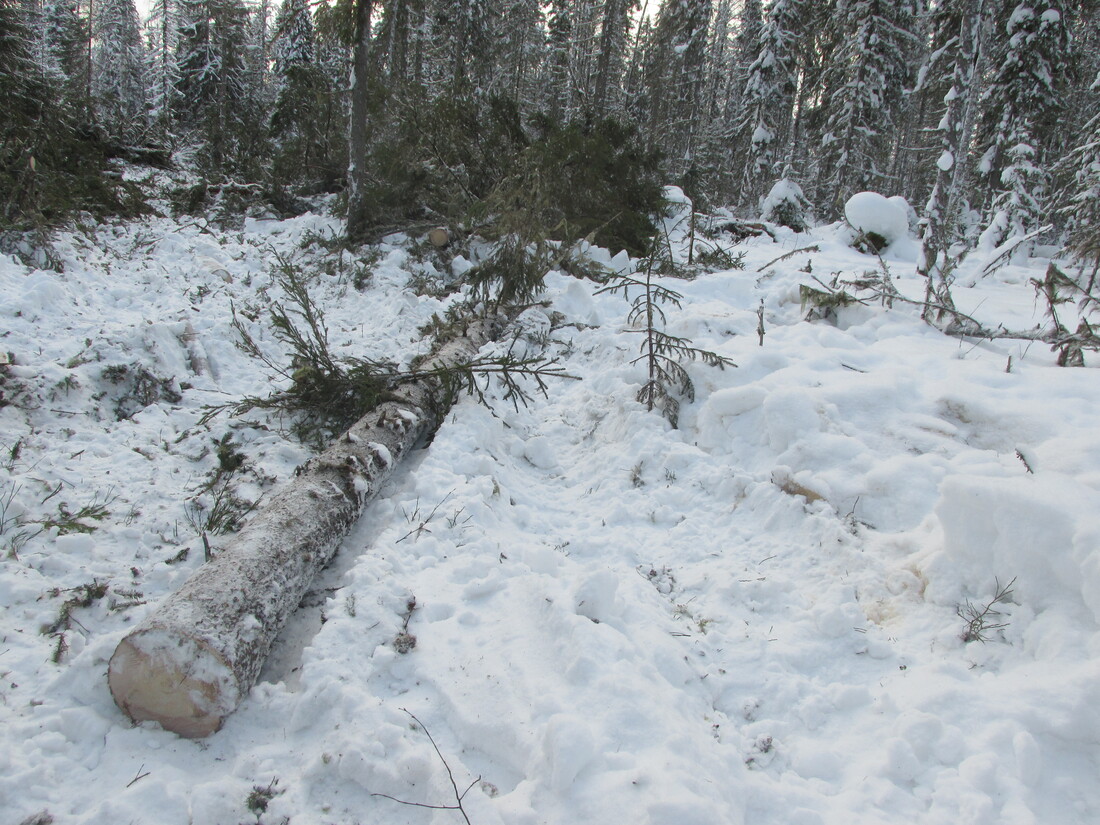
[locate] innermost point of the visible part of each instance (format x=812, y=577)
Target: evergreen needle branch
x=791, y=254
x=980, y=621
x=472, y=377
x=327, y=394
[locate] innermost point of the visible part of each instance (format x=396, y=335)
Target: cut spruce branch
x=981, y=621
x=951, y=321
x=328, y=394
x=791, y=254
x=192, y=660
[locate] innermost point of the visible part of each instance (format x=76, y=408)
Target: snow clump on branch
x=880, y=219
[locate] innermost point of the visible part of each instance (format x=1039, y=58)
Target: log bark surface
x=188, y=665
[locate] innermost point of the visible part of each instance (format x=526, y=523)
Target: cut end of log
x=179, y=682
x=439, y=237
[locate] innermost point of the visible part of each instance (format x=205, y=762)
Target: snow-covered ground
x=751, y=618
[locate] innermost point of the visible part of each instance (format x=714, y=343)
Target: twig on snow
x=454, y=785
x=139, y=776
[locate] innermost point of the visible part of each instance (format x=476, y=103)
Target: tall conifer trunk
x=955, y=128
x=359, y=126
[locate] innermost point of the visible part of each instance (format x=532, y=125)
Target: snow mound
x=786, y=205
x=1043, y=534
x=872, y=213
x=911, y=216
x=677, y=219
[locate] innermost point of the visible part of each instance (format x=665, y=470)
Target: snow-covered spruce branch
x=791, y=254
x=1010, y=247
x=1070, y=345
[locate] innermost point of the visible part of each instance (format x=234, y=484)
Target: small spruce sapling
x=981, y=621
x=260, y=797
x=787, y=205
x=663, y=354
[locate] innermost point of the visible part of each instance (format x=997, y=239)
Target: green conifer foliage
x=1020, y=108
x=50, y=165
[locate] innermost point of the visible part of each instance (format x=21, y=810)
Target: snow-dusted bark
x=189, y=664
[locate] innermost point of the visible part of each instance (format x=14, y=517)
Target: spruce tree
x=1077, y=172
x=559, y=84
x=871, y=71
x=162, y=39
x=213, y=88
x=518, y=39
x=27, y=95
x=1020, y=107
x=333, y=63
x=297, y=114
x=611, y=55
x=63, y=51
x=395, y=41
x=1083, y=207
x=463, y=32
x=50, y=165
x=768, y=98
x=717, y=106
x=952, y=69
x=118, y=70
x=292, y=44
x=360, y=102
x=676, y=76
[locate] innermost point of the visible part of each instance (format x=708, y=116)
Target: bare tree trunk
x=190, y=663
x=945, y=201
x=358, y=125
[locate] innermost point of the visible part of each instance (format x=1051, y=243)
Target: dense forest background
x=983, y=113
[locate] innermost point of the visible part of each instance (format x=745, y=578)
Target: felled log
x=439, y=237
x=740, y=230
x=188, y=665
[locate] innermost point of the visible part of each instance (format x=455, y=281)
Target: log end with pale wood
x=182, y=684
